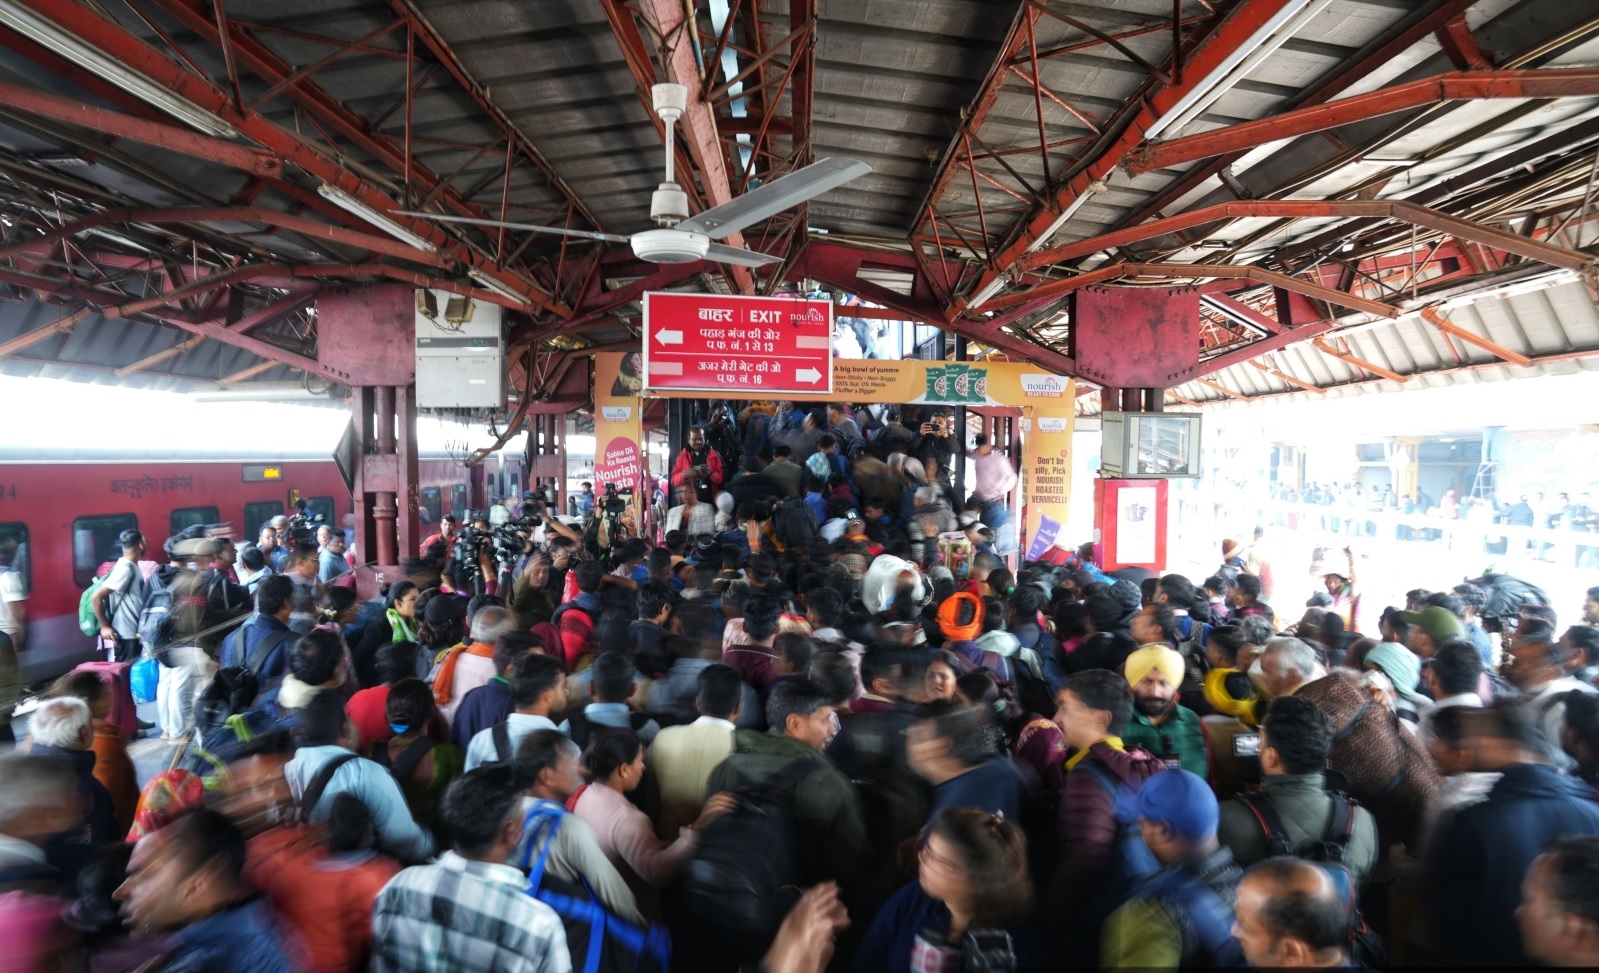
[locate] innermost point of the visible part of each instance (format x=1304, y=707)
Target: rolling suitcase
x=124, y=716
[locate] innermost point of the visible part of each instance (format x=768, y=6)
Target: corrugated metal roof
x=1557, y=326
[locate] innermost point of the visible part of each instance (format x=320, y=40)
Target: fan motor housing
x=671, y=246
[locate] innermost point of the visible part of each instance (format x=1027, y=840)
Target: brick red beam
x=173, y=138
x=1153, y=101
x=1456, y=86
x=446, y=56
x=1384, y=51
x=1293, y=209
x=284, y=221
x=840, y=267
x=139, y=56
x=1259, y=275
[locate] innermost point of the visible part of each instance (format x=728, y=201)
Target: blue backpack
x=1206, y=920
x=597, y=938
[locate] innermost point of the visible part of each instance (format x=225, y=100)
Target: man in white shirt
x=1452, y=676
x=120, y=598
x=538, y=688
x=684, y=756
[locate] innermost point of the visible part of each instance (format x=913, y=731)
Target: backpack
x=597, y=938
x=406, y=762
x=744, y=877
x=501, y=735
x=582, y=728
x=793, y=526
x=319, y=783
x=157, y=605
x=1365, y=945
x=88, y=624
x=1131, y=860
x=234, y=689
x=1206, y=923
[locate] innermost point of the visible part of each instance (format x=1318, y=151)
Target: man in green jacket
x=831, y=841
x=1295, y=741
x=1167, y=729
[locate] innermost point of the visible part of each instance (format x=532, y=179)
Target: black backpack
x=793, y=525
x=744, y=877
x=1328, y=851
x=234, y=689
x=582, y=728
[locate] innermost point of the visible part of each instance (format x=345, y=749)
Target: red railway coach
x=60, y=514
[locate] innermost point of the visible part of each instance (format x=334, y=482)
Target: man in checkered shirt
x=467, y=911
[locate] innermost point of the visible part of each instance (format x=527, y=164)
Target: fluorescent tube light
x=496, y=286
x=994, y=287
x=1096, y=186
x=1238, y=64
x=47, y=33
x=355, y=207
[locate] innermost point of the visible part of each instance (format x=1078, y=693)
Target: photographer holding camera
x=699, y=466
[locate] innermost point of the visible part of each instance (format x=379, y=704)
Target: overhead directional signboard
x=758, y=346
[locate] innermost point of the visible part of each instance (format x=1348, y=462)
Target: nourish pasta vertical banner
x=618, y=449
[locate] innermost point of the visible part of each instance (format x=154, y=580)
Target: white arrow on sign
x=669, y=337
x=808, y=375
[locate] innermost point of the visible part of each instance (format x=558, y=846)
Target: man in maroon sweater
x=1094, y=708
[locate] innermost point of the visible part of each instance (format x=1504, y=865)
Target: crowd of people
x=762, y=748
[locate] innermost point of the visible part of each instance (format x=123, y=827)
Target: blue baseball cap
x=1177, y=798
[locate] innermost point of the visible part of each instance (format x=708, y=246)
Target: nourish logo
x=1036, y=386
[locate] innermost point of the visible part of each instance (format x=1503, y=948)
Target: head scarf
x=949, y=612
x=1150, y=658
x=167, y=797
x=1400, y=665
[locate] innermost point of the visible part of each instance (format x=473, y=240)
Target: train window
x=432, y=504
x=94, y=542
x=458, y=500
x=184, y=517
x=321, y=507
x=14, y=551
x=256, y=516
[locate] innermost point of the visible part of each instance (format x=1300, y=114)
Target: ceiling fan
x=683, y=239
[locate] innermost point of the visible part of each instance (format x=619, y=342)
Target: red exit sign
x=753, y=346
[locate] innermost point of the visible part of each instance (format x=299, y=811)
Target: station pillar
x=368, y=333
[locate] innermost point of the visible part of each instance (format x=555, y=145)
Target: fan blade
x=530, y=227
x=723, y=254
x=775, y=197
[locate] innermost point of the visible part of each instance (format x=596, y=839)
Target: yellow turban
x=1152, y=657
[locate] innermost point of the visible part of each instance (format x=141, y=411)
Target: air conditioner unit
x=460, y=360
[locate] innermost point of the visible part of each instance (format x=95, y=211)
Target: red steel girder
x=174, y=138
x=1294, y=209
x=113, y=39
x=1322, y=346
x=1253, y=350
x=1154, y=100
x=1456, y=86
x=446, y=56
x=840, y=266
x=697, y=127
x=1448, y=327
x=977, y=113
x=1383, y=52
x=1260, y=275
x=1240, y=310
x=284, y=221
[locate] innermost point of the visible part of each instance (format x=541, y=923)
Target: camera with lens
x=303, y=524
x=615, y=501
x=987, y=951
